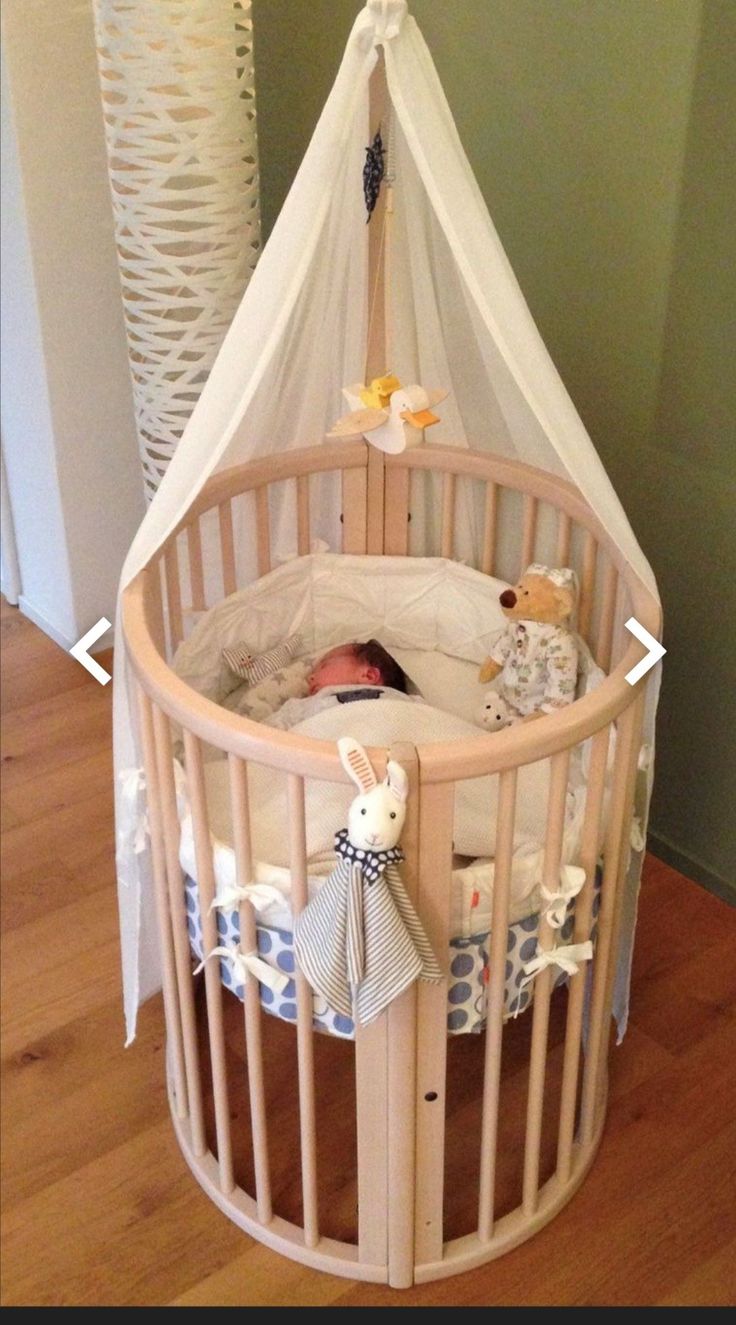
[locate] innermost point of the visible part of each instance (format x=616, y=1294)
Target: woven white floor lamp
x=180, y=123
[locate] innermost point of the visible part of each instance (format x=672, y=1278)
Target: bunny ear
x=356, y=763
x=398, y=782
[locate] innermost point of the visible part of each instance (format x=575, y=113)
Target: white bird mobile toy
x=389, y=416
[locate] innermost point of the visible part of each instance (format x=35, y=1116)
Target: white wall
x=67, y=413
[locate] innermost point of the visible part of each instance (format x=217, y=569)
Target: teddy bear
x=493, y=712
x=536, y=656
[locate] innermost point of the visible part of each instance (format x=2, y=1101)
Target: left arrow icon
x=79, y=651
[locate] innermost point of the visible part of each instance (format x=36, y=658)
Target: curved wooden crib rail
x=401, y=1059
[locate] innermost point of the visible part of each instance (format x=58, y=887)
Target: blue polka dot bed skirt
x=467, y=992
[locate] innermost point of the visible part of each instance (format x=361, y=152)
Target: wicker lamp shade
x=180, y=123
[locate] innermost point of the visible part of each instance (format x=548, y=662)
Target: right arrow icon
x=656, y=651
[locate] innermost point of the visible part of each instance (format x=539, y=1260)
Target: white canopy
x=458, y=320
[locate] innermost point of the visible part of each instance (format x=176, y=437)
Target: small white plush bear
x=493, y=712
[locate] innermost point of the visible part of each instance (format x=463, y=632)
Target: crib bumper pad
x=467, y=990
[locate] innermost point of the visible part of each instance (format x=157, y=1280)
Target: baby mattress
x=439, y=620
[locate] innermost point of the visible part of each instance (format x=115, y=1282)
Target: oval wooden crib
x=420, y=1118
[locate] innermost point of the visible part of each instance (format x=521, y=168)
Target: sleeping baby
x=346, y=673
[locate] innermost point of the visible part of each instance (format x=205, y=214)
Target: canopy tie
x=567, y=957
x=244, y=965
x=133, y=781
x=572, y=878
x=380, y=21
x=260, y=896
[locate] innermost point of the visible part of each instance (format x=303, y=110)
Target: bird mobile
x=391, y=417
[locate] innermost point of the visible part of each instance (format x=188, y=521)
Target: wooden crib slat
x=354, y=511
x=436, y=804
x=173, y=594
x=496, y=991
x=564, y=533
x=174, y=1037
x=376, y=483
x=210, y=940
x=263, y=530
x=614, y=852
x=302, y=515
x=371, y=1094
x=490, y=516
x=621, y=613
x=529, y=534
x=155, y=605
x=227, y=547
x=177, y=910
x=238, y=774
x=448, y=515
x=632, y=768
x=587, y=585
x=304, y=1013
x=559, y=765
x=607, y=616
x=396, y=535
x=402, y=1064
x=583, y=923
x=196, y=570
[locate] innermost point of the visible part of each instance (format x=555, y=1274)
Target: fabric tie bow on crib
x=248, y=964
x=360, y=942
x=568, y=957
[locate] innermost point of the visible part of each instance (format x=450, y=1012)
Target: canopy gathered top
x=458, y=321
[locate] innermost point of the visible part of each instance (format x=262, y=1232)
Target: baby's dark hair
x=374, y=654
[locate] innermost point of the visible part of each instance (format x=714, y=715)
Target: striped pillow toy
x=240, y=661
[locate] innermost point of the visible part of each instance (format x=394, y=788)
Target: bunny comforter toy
x=359, y=942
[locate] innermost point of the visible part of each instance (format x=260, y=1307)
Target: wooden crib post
x=436, y=806
x=304, y=1012
x=490, y=516
x=238, y=775
x=177, y=909
x=168, y=970
x=402, y=1064
x=173, y=594
x=495, y=1004
x=559, y=765
x=611, y=894
x=583, y=919
x=213, y=983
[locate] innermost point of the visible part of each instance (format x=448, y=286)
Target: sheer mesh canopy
x=458, y=320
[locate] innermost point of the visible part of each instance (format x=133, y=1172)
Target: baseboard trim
x=692, y=869
x=44, y=624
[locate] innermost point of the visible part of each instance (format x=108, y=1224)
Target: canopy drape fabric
x=458, y=320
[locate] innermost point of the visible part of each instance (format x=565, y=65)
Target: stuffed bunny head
x=376, y=816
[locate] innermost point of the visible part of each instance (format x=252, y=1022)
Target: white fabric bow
x=567, y=958
x=245, y=964
x=572, y=878
x=260, y=895
x=134, y=781
x=638, y=837
x=380, y=21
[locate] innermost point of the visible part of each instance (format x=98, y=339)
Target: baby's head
x=357, y=664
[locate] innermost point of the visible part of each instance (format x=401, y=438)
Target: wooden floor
x=98, y=1206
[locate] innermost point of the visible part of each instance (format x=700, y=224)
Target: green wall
x=601, y=134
